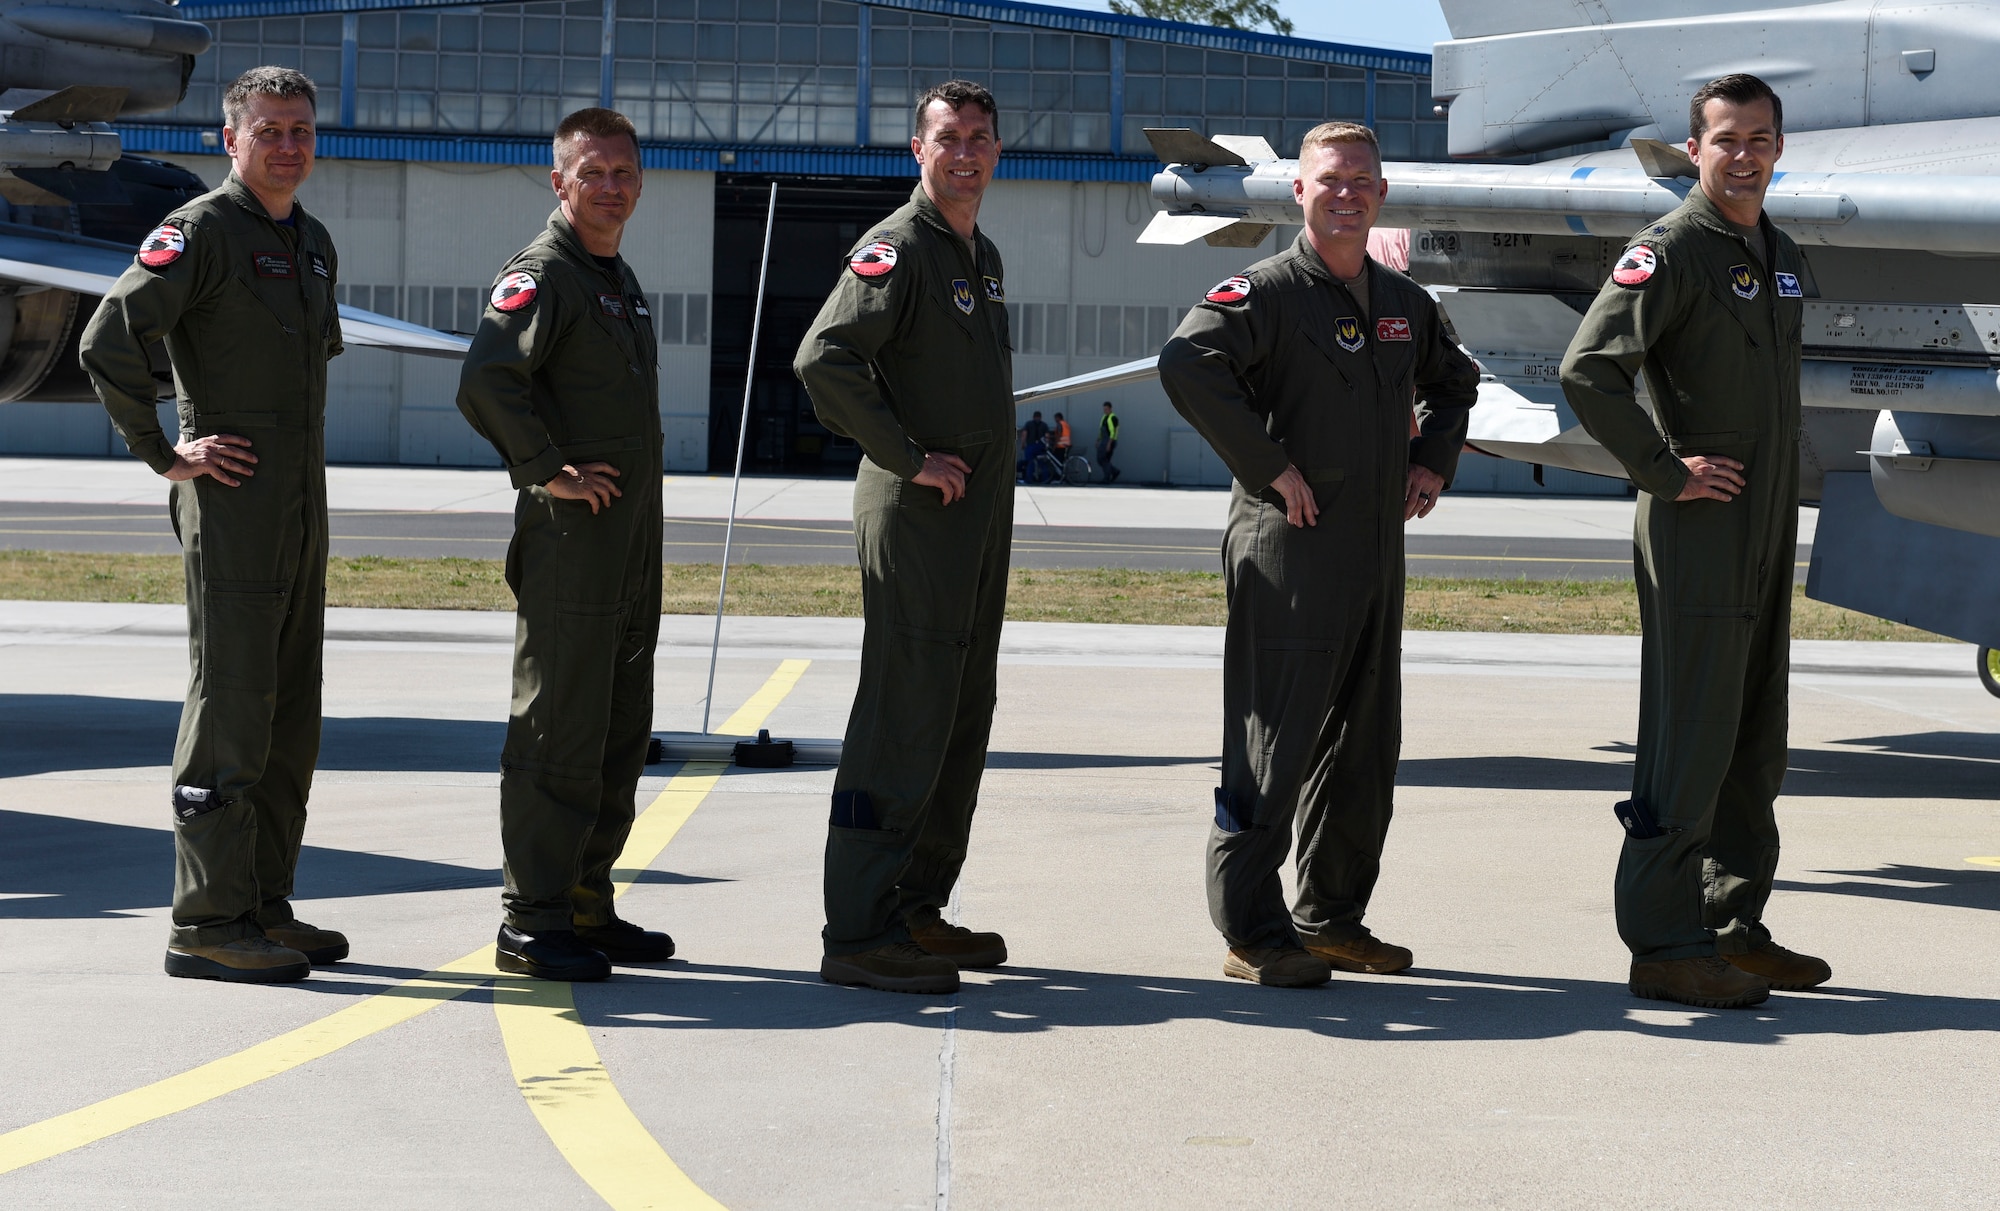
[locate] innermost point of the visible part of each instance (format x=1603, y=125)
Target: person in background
x=1107, y=443
x=1033, y=439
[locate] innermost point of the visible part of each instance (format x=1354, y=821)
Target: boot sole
x=977, y=960
x=1787, y=985
x=520, y=965
x=1360, y=968
x=1253, y=976
x=630, y=956
x=194, y=967
x=325, y=955
x=855, y=977
x=1656, y=992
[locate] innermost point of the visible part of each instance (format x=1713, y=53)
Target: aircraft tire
x=1989, y=670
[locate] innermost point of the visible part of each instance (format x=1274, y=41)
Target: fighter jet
x=73, y=208
x=1890, y=181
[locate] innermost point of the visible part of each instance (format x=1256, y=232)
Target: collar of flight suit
x=928, y=211
x=244, y=196
x=1308, y=259
x=1706, y=214
x=572, y=247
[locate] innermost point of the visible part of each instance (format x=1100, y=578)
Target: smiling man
x=909, y=357
x=1300, y=371
x=239, y=285
x=1708, y=302
x=563, y=379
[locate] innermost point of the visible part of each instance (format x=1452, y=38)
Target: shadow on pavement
x=50, y=733
x=1088, y=761
x=63, y=867
x=1418, y=1006
x=1932, y=885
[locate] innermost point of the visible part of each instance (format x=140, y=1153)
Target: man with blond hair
x=1300, y=372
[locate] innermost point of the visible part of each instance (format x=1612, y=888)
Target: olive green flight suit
x=1716, y=331
x=907, y=359
x=1278, y=367
x=245, y=307
x=565, y=370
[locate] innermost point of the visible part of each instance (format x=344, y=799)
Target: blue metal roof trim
x=697, y=157
x=1012, y=12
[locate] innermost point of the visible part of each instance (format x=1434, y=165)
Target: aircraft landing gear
x=1989, y=670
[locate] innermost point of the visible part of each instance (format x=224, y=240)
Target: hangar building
x=433, y=168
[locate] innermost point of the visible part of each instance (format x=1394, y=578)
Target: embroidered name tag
x=612, y=305
x=1788, y=286
x=274, y=265
x=639, y=306
x=1394, y=328
x=994, y=293
x=319, y=266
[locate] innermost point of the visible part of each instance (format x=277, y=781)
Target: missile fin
x=1662, y=161
x=1252, y=148
x=1169, y=228
x=1239, y=235
x=1179, y=145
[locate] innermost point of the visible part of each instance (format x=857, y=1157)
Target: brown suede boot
x=1787, y=970
x=898, y=967
x=1277, y=966
x=244, y=961
x=961, y=945
x=1709, y=981
x=1367, y=954
x=319, y=946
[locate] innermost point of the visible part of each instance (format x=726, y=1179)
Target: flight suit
x=565, y=370
x=1716, y=331
x=246, y=309
x=910, y=354
x=1279, y=366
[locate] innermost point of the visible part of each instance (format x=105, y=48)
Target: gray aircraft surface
x=1890, y=181
x=72, y=206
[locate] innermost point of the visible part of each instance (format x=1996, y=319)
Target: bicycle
x=1072, y=470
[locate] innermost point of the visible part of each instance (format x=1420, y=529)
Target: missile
x=1225, y=196
x=99, y=27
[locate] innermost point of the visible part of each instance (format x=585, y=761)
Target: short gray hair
x=264, y=82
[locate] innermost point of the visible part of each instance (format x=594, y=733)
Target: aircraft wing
x=33, y=257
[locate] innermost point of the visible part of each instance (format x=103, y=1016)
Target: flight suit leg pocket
x=240, y=625
x=1294, y=679
x=582, y=662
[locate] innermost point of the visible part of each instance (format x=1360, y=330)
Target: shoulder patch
x=1636, y=267
x=514, y=291
x=874, y=260
x=163, y=247
x=1229, y=290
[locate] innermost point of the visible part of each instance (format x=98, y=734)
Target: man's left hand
x=1420, y=494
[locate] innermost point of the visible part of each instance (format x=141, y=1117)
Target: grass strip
x=1565, y=607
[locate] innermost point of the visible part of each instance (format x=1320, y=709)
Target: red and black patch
x=1636, y=267
x=1229, y=290
x=162, y=247
x=514, y=291
x=612, y=305
x=274, y=264
x=1392, y=328
x=875, y=260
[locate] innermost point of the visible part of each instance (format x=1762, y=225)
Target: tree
x=1229, y=14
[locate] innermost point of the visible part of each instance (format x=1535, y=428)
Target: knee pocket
x=240, y=622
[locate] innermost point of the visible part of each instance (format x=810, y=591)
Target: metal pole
x=742, y=438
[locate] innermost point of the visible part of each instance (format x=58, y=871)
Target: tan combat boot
x=897, y=967
x=1709, y=981
x=1277, y=966
x=244, y=961
x=1787, y=970
x=1367, y=954
x=961, y=945
x=319, y=946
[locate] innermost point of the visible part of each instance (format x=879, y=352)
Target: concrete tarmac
x=1110, y=1064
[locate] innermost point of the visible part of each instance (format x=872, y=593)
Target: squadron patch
x=874, y=261
x=514, y=292
x=1636, y=267
x=163, y=247
x=1743, y=282
x=994, y=294
x=1348, y=335
x=961, y=294
x=1394, y=328
x=1788, y=286
x=1230, y=290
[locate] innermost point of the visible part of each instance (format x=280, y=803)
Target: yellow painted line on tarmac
x=1985, y=861
x=556, y=1064
x=87, y=1125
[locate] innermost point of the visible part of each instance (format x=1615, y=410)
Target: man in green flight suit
x=1708, y=302
x=238, y=284
x=1301, y=371
x=563, y=379
x=909, y=357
